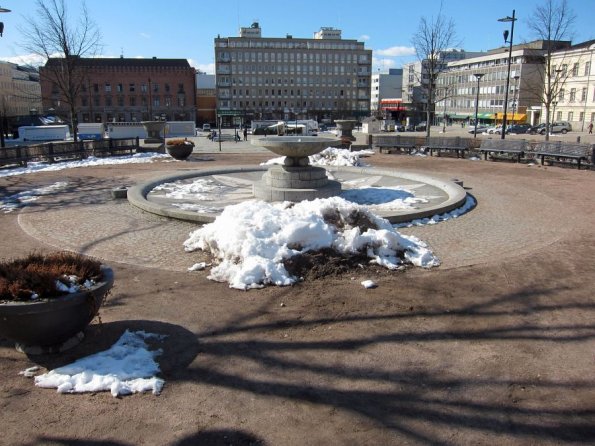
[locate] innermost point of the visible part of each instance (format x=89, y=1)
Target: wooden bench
x=559, y=150
x=442, y=144
x=510, y=146
x=53, y=151
x=16, y=155
x=112, y=147
x=394, y=143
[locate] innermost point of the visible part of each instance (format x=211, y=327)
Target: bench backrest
x=503, y=144
x=12, y=153
x=445, y=141
x=564, y=148
x=391, y=140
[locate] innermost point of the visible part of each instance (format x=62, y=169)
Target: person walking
x=246, y=133
x=590, y=127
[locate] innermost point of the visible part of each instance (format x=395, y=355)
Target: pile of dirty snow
x=251, y=240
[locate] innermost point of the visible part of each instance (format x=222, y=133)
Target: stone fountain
x=296, y=179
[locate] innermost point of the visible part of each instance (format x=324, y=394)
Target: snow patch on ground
x=127, y=367
x=91, y=161
x=21, y=199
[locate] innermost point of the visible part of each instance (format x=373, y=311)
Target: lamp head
x=478, y=76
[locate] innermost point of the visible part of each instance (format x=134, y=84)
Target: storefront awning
x=460, y=116
x=485, y=116
x=512, y=117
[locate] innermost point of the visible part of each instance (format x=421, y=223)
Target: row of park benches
x=67, y=150
x=553, y=151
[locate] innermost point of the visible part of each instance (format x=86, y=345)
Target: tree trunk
x=547, y=121
x=73, y=123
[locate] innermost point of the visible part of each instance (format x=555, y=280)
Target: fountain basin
x=296, y=146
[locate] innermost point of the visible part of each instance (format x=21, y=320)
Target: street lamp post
x=444, y=112
x=554, y=103
x=515, y=96
x=478, y=76
x=511, y=20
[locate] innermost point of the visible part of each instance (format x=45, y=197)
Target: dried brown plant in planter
x=37, y=274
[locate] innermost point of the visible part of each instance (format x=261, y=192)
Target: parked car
x=555, y=127
x=518, y=128
x=480, y=129
x=421, y=127
x=494, y=129
x=537, y=129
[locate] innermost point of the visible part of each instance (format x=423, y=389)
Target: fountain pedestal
x=296, y=180
x=154, y=129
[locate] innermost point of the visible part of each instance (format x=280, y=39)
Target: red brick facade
x=126, y=90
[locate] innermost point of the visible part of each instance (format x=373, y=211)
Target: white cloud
x=396, y=51
x=26, y=59
x=145, y=35
x=208, y=68
x=364, y=37
x=382, y=65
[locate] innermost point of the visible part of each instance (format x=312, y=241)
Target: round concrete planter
x=52, y=325
x=180, y=151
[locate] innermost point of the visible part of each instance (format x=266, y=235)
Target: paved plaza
x=495, y=346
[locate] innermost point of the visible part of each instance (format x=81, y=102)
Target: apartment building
x=325, y=77
x=125, y=89
x=575, y=101
x=20, y=91
x=416, y=78
x=460, y=88
x=385, y=86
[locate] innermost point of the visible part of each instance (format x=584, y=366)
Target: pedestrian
x=590, y=127
x=246, y=133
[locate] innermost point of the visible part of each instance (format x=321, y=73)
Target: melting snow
x=252, y=239
x=127, y=367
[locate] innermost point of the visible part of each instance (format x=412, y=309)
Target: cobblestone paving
x=516, y=213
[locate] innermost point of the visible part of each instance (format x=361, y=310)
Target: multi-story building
x=458, y=84
x=416, y=79
x=575, y=101
x=20, y=91
x=324, y=77
x=206, y=98
x=125, y=89
x=385, y=86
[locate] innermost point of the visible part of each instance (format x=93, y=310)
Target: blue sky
x=186, y=28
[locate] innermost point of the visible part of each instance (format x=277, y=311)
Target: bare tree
x=552, y=21
x=433, y=37
x=52, y=35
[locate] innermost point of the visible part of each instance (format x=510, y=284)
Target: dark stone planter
x=45, y=326
x=180, y=152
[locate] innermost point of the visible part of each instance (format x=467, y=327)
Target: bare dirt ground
x=496, y=346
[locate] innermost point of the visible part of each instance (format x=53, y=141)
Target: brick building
x=124, y=89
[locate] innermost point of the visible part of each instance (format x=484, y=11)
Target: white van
x=206, y=127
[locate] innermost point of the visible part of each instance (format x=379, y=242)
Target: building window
x=84, y=102
x=572, y=95
x=143, y=88
x=155, y=88
x=108, y=101
x=95, y=88
x=561, y=95
x=587, y=69
x=119, y=88
x=120, y=101
x=570, y=116
x=132, y=101
x=156, y=101
x=180, y=88
x=168, y=101
x=584, y=94
x=559, y=116
x=581, y=116
x=96, y=101
x=575, y=69
x=131, y=88
x=108, y=87
x=166, y=88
